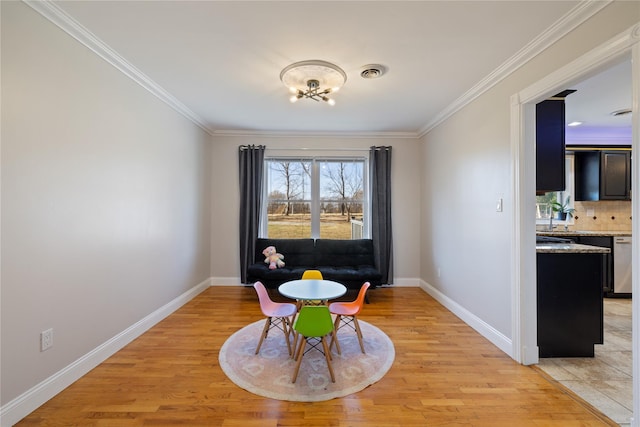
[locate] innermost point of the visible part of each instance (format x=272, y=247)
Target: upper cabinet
x=603, y=175
x=550, y=144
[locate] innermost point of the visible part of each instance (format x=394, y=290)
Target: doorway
x=523, y=157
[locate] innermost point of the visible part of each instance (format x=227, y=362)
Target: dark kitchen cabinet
x=569, y=304
x=615, y=176
x=550, y=146
x=607, y=259
x=603, y=175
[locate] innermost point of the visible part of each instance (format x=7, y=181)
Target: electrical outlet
x=46, y=339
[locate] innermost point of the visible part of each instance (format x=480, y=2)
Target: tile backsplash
x=605, y=215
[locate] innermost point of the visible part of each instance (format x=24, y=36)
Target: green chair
x=314, y=323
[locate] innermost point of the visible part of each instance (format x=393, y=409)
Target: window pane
x=288, y=204
x=543, y=204
x=341, y=199
x=295, y=225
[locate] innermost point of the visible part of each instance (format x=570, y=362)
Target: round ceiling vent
x=372, y=71
x=622, y=112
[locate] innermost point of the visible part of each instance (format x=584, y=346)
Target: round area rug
x=269, y=373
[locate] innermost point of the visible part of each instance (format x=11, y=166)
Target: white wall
x=405, y=198
x=105, y=200
x=467, y=167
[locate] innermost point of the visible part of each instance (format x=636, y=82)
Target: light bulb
x=293, y=99
x=293, y=90
x=335, y=89
x=331, y=102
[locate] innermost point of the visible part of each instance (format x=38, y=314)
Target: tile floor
x=604, y=381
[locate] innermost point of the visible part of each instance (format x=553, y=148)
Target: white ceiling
x=593, y=103
x=222, y=59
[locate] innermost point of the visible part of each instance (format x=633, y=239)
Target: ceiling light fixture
x=574, y=124
x=313, y=79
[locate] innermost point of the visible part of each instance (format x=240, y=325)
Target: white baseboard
x=489, y=332
x=404, y=283
x=27, y=402
x=226, y=281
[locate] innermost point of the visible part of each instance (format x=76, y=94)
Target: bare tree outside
x=290, y=183
x=343, y=183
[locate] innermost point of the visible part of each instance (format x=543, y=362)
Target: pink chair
x=278, y=315
x=347, y=314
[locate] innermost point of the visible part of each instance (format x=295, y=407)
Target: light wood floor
x=444, y=374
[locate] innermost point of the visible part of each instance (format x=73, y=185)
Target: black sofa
x=350, y=262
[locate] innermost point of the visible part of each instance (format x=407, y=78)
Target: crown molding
x=579, y=14
x=68, y=24
x=304, y=134
x=611, y=50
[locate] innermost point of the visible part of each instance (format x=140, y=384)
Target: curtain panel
x=251, y=159
x=381, y=233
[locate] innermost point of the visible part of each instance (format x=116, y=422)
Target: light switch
x=499, y=205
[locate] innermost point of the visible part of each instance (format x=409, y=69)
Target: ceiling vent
x=622, y=112
x=372, y=71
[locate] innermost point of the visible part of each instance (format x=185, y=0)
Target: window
x=543, y=202
x=315, y=197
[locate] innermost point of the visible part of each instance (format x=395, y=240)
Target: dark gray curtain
x=251, y=167
x=380, y=179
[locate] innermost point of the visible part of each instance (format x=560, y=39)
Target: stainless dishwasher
x=622, y=266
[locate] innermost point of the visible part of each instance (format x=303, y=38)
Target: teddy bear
x=273, y=258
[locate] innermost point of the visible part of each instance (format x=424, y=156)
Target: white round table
x=312, y=289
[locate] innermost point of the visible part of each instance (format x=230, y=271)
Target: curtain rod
x=319, y=149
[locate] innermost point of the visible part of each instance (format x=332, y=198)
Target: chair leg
x=327, y=356
x=334, y=334
x=328, y=346
x=299, y=353
x=265, y=331
x=359, y=333
x=291, y=323
x=286, y=327
x=296, y=336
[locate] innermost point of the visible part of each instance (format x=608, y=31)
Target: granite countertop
x=569, y=233
x=570, y=248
